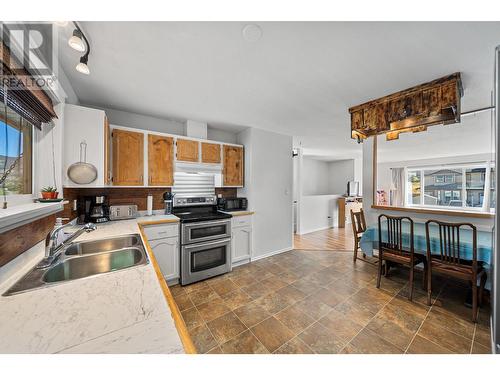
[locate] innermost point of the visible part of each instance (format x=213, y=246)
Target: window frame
x=485, y=207
x=17, y=199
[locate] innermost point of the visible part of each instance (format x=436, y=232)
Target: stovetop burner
x=199, y=213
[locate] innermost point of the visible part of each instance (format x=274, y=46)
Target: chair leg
x=379, y=274
x=410, y=294
x=474, y=300
x=429, y=284
x=364, y=255
x=424, y=276
x=355, y=251
x=484, y=276
x=387, y=267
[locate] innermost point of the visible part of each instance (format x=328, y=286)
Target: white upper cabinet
x=89, y=125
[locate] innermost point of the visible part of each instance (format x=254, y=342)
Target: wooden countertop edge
x=480, y=215
x=187, y=343
x=159, y=221
x=242, y=213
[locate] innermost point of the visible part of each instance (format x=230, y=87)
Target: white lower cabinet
x=166, y=250
x=241, y=244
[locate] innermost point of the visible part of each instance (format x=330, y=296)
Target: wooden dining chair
x=449, y=260
x=392, y=250
x=358, y=228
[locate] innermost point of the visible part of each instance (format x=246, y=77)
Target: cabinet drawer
x=240, y=221
x=154, y=232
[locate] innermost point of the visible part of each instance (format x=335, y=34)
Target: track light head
x=82, y=67
x=76, y=41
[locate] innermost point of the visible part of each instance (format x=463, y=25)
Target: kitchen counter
x=239, y=213
x=125, y=311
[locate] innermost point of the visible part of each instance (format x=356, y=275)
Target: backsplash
x=127, y=195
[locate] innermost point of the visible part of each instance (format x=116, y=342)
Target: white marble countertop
x=118, y=312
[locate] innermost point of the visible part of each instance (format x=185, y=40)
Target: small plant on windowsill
x=49, y=192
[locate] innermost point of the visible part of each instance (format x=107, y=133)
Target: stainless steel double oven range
x=205, y=236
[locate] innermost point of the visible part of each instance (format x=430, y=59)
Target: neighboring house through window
x=451, y=186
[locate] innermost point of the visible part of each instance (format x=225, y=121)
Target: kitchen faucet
x=53, y=248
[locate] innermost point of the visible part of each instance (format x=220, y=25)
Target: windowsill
x=482, y=215
x=21, y=214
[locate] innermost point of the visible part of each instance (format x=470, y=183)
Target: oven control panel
x=195, y=201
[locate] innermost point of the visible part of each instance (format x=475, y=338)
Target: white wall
x=317, y=212
x=340, y=172
x=162, y=125
x=268, y=187
x=315, y=177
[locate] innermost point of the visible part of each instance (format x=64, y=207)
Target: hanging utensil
x=82, y=172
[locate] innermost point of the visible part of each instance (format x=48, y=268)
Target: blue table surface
x=369, y=241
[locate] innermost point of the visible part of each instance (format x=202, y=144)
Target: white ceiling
x=298, y=79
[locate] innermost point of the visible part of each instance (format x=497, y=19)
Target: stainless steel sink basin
x=84, y=266
x=100, y=246
x=85, y=259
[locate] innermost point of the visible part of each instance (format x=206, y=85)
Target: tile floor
x=320, y=302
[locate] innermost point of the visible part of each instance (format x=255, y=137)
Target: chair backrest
x=449, y=242
x=395, y=233
x=358, y=222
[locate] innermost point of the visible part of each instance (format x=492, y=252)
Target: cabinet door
x=233, y=166
x=107, y=156
x=241, y=244
x=166, y=252
x=187, y=150
x=210, y=153
x=160, y=160
x=128, y=158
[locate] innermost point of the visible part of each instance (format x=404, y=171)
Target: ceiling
x=474, y=135
x=298, y=79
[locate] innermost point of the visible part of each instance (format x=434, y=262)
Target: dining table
x=369, y=242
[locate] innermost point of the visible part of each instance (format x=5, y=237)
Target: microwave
x=232, y=204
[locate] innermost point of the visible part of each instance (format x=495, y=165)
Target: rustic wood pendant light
x=410, y=110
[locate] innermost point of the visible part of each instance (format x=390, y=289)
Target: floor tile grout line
x=369, y=321
x=473, y=337
x=423, y=321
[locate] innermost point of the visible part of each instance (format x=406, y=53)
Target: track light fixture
x=77, y=42
x=82, y=67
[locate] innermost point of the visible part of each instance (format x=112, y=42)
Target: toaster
x=122, y=212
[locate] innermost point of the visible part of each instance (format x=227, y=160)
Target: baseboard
x=241, y=262
x=272, y=253
x=315, y=230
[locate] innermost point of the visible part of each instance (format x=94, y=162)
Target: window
x=15, y=153
x=451, y=186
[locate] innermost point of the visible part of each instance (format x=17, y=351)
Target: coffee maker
x=93, y=209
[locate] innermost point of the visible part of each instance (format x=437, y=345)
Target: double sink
x=85, y=259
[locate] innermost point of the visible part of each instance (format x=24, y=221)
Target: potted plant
x=49, y=192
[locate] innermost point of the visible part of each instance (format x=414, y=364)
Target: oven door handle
x=211, y=243
x=207, y=223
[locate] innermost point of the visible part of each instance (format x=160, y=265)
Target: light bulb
x=82, y=66
x=76, y=41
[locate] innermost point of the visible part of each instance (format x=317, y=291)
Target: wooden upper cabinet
x=160, y=160
x=210, y=153
x=187, y=150
x=107, y=156
x=233, y=166
x=128, y=158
